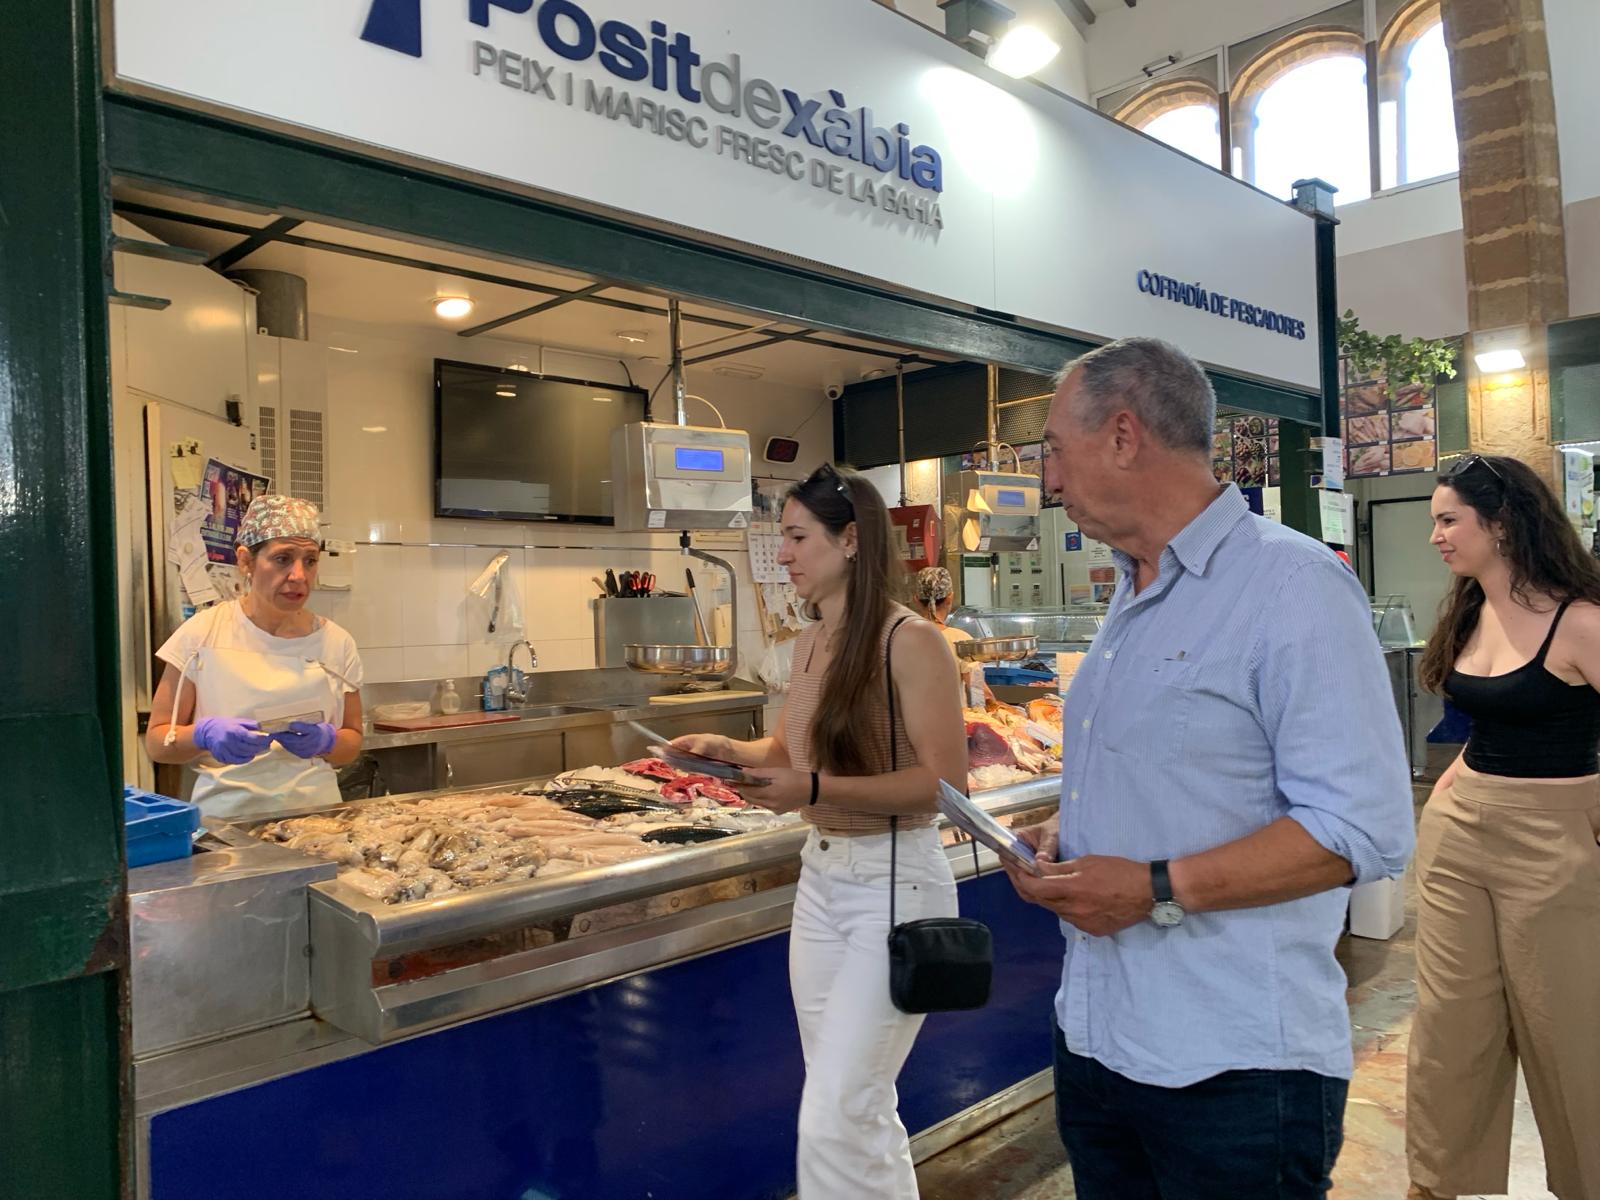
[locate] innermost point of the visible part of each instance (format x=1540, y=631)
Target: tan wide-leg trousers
x=1508, y=968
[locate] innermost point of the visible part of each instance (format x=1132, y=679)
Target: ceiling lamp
x=1022, y=51
x=506, y=391
x=451, y=308
x=975, y=24
x=735, y=371
x=634, y=337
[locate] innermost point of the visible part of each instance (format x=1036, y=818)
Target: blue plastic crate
x=1016, y=676
x=159, y=828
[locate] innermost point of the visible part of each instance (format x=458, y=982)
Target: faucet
x=687, y=547
x=517, y=696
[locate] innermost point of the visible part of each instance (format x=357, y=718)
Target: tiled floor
x=1021, y=1158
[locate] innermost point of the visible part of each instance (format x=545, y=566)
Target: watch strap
x=1161, y=881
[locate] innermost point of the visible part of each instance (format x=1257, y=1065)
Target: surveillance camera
x=833, y=390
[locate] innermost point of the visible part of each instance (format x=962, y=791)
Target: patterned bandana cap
x=277, y=516
x=934, y=584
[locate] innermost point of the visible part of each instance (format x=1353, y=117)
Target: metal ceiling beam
x=133, y=208
x=524, y=313
x=1077, y=10
x=771, y=339
x=261, y=237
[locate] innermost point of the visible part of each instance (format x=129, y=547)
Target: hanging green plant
x=1398, y=360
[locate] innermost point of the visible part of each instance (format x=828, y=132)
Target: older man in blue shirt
x=1232, y=763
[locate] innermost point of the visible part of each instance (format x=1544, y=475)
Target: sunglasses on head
x=1474, y=460
x=826, y=471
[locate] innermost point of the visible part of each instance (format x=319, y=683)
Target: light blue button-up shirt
x=1244, y=684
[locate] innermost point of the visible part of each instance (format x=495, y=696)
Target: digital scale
x=683, y=477
x=1001, y=511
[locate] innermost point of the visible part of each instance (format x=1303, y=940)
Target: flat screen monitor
x=513, y=446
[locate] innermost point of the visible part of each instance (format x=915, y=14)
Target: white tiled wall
x=407, y=606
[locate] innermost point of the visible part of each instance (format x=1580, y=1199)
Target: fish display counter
x=590, y=967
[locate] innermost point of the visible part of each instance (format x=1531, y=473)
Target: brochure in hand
x=967, y=816
x=696, y=764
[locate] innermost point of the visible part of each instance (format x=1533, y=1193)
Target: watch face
x=1167, y=913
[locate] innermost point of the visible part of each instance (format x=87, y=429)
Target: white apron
x=244, y=683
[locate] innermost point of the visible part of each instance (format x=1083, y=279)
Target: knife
x=611, y=583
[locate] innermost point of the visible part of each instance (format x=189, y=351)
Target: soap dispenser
x=449, y=698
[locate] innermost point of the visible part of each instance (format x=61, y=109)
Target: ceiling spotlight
x=975, y=24
x=1022, y=51
x=634, y=337
x=451, y=308
x=374, y=429
x=518, y=366
x=873, y=373
x=735, y=371
x=507, y=391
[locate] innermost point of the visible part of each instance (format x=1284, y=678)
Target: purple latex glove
x=230, y=740
x=307, y=739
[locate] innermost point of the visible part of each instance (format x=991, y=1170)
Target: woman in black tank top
x=1508, y=848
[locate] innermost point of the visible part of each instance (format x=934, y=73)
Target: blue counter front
x=681, y=1083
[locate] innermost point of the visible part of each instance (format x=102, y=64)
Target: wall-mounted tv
x=513, y=446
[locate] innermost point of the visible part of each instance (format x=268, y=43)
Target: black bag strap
x=894, y=755
x=894, y=759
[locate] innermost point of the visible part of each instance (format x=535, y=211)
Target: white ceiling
x=346, y=289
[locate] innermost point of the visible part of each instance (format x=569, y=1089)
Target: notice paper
x=197, y=584
x=1338, y=517
x=188, y=465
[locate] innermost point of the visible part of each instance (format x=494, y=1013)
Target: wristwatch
x=1166, y=912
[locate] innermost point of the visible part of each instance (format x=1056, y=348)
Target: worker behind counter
x=260, y=693
x=934, y=592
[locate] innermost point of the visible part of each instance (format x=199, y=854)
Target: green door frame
x=63, y=1055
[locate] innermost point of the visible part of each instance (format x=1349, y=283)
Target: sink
x=534, y=712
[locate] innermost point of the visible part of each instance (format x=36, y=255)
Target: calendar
x=764, y=564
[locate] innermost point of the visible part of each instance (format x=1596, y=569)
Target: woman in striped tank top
x=839, y=760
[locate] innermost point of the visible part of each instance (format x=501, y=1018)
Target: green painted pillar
x=62, y=912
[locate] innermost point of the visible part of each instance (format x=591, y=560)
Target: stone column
x=1512, y=212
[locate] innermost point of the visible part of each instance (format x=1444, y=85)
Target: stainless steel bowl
x=697, y=662
x=997, y=649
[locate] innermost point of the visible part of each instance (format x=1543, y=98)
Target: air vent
x=306, y=455
x=267, y=439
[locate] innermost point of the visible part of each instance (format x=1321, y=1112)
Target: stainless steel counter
x=381, y=972
x=220, y=942
x=543, y=718
x=580, y=719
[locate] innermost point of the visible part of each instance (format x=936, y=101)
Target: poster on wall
x=227, y=491
x=1244, y=450
x=1386, y=432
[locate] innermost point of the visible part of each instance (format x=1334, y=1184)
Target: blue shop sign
x=1195, y=295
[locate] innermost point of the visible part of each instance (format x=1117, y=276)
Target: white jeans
x=855, y=1041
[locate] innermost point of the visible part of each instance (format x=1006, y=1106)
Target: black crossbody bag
x=939, y=964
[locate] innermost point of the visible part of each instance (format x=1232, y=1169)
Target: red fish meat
x=650, y=768
x=986, y=747
x=691, y=787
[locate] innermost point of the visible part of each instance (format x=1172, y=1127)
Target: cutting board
x=699, y=697
x=418, y=724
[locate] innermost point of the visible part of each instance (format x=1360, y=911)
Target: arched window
x=1300, y=111
x=1183, y=113
x=1416, y=108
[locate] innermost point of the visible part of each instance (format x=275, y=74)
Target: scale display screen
x=1011, y=498
x=686, y=458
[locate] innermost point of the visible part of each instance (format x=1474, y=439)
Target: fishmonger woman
x=261, y=694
